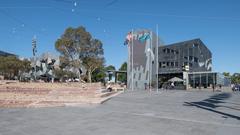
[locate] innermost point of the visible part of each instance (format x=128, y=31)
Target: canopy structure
x=175, y=79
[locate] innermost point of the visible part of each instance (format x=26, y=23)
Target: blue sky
x=216, y=22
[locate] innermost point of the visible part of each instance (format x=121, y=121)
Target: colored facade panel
x=142, y=50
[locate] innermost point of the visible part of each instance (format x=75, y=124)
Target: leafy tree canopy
x=123, y=77
x=78, y=48
x=11, y=66
x=110, y=67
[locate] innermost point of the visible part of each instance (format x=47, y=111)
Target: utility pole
x=34, y=51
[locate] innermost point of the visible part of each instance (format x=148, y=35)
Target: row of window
x=173, y=64
x=167, y=50
x=191, y=58
x=168, y=64
x=188, y=63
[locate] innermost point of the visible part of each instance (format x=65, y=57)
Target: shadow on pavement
x=214, y=102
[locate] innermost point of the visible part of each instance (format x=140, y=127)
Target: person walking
x=213, y=87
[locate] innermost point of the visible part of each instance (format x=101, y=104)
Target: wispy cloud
x=111, y=3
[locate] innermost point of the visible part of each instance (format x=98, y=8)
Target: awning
x=175, y=79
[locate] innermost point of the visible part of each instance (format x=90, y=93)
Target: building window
x=167, y=64
x=168, y=50
x=190, y=58
x=196, y=59
x=160, y=64
x=163, y=64
x=176, y=64
x=172, y=51
x=172, y=64
x=185, y=57
x=176, y=52
x=164, y=50
x=195, y=45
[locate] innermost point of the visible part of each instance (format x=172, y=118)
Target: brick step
x=105, y=94
x=25, y=91
x=14, y=103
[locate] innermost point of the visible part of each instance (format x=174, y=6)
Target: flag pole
x=157, y=64
x=150, y=83
x=149, y=63
x=132, y=58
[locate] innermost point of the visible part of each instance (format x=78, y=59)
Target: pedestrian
x=145, y=84
x=213, y=87
x=172, y=85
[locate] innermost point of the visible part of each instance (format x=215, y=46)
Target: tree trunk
x=89, y=76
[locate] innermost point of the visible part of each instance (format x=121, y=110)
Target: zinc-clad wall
x=193, y=53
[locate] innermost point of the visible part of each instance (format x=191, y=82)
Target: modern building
x=187, y=64
x=5, y=54
x=192, y=56
x=189, y=61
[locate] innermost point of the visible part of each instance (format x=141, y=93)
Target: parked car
x=236, y=87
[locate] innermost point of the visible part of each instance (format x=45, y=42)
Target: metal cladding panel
x=192, y=53
x=141, y=60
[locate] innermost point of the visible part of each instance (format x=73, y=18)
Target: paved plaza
x=133, y=113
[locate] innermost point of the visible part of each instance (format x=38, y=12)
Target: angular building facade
x=187, y=64
x=190, y=62
x=192, y=55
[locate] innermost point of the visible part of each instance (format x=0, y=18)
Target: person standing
x=145, y=86
x=172, y=85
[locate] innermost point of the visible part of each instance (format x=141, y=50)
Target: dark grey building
x=189, y=61
x=192, y=56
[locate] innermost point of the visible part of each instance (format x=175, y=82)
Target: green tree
x=91, y=64
x=226, y=74
x=110, y=67
x=99, y=75
x=77, y=48
x=59, y=74
x=11, y=66
x=123, y=76
x=235, y=78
